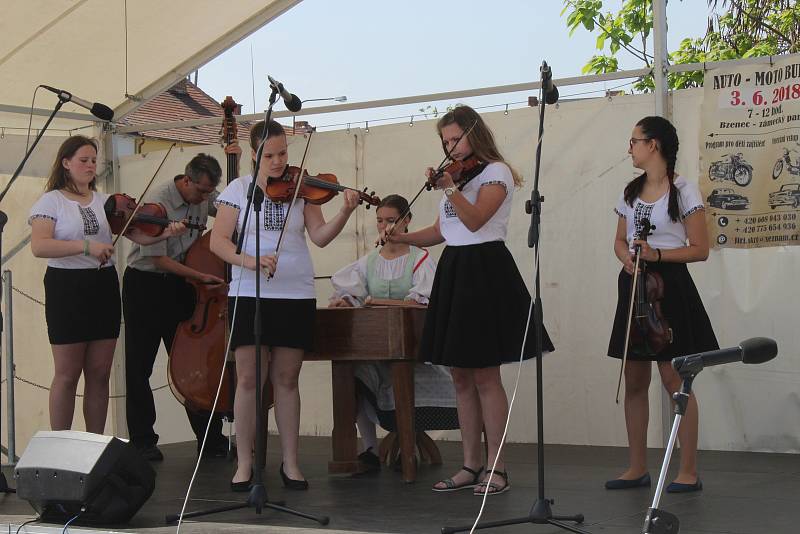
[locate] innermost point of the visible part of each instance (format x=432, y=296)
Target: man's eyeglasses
x=635, y=140
x=203, y=190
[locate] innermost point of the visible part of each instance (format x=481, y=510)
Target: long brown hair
x=660, y=129
x=480, y=137
x=59, y=176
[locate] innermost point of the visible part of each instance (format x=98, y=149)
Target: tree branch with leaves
x=736, y=29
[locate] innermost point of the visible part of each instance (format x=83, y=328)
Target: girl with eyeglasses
x=675, y=207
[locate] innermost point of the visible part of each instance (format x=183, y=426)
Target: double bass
x=198, y=356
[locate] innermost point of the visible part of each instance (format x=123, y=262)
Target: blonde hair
x=480, y=137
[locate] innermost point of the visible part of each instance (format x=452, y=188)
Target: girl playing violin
x=288, y=303
x=479, y=303
x=675, y=207
x=82, y=301
x=399, y=272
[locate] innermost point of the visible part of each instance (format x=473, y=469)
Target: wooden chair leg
x=428, y=451
x=388, y=444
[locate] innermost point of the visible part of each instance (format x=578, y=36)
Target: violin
x=650, y=332
x=461, y=171
x=150, y=218
x=317, y=189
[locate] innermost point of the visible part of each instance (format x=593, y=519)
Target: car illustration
x=727, y=199
x=787, y=195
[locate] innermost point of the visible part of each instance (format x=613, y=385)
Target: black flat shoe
x=241, y=487
x=370, y=461
x=678, y=487
x=619, y=483
x=151, y=453
x=292, y=484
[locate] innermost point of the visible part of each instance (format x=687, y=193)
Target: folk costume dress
x=288, y=300
x=682, y=307
x=82, y=300
x=479, y=302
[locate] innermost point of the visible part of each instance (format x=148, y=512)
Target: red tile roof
x=186, y=101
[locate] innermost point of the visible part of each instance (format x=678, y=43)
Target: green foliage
x=749, y=28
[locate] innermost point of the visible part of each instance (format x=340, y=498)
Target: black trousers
x=153, y=304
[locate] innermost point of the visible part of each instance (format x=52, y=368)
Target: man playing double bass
x=155, y=301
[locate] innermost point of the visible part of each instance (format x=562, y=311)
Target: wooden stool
x=428, y=451
x=389, y=449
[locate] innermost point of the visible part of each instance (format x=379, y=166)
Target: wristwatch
x=448, y=192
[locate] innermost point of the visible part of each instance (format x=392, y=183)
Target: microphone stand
x=3, y=220
x=660, y=521
x=258, y=492
x=541, y=512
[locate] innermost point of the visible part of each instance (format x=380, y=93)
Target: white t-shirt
x=451, y=227
x=74, y=221
x=667, y=234
x=294, y=277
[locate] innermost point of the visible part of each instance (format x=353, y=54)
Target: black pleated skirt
x=478, y=310
x=284, y=322
x=682, y=308
x=81, y=304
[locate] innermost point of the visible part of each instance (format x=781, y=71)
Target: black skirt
x=478, y=309
x=81, y=304
x=284, y=322
x=682, y=308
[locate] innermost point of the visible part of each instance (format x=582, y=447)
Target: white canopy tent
x=117, y=52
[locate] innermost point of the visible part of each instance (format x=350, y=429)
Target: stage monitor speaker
x=64, y=472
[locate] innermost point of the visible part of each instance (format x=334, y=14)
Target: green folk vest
x=392, y=289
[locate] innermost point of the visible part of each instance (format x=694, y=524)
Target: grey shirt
x=167, y=194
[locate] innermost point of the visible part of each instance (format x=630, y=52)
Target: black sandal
x=493, y=487
x=450, y=484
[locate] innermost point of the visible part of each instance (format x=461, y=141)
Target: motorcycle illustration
x=736, y=169
x=786, y=160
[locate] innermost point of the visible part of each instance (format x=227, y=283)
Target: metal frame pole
x=8, y=343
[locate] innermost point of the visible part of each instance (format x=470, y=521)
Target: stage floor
x=745, y=493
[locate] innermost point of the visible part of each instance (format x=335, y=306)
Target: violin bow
x=291, y=204
x=630, y=320
x=425, y=185
x=141, y=197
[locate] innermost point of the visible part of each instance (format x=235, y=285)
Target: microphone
x=292, y=102
x=751, y=351
x=100, y=111
x=548, y=88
